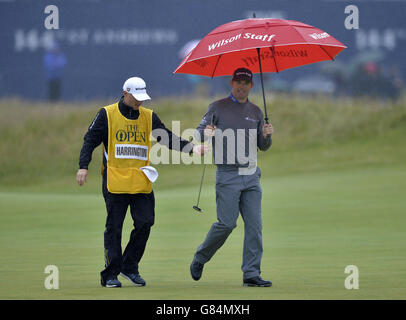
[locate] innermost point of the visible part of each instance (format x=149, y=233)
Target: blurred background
x=99, y=43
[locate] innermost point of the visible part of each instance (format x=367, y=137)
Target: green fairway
x=314, y=225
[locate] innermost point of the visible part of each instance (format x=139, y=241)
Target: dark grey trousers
x=236, y=193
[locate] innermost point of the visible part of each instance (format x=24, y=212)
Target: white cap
x=137, y=87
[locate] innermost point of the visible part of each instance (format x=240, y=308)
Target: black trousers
x=142, y=208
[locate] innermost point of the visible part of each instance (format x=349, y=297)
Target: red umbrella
x=261, y=45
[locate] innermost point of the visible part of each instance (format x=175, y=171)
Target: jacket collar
x=127, y=111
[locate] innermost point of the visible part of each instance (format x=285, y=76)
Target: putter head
x=197, y=209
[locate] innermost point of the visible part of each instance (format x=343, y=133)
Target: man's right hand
x=209, y=131
x=200, y=149
x=81, y=176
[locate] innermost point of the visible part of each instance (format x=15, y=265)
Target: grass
x=333, y=195
x=314, y=226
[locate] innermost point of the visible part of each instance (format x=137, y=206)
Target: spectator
x=54, y=63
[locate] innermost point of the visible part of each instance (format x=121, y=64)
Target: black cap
x=242, y=74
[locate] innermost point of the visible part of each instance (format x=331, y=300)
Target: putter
x=196, y=207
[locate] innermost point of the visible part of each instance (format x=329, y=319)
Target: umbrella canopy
x=281, y=44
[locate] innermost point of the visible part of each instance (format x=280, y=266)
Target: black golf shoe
x=134, y=278
x=196, y=270
x=257, y=282
x=111, y=283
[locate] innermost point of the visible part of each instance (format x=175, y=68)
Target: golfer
x=125, y=129
x=237, y=182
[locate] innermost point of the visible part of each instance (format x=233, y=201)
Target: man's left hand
x=267, y=129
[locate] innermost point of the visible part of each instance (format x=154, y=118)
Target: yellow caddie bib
x=128, y=150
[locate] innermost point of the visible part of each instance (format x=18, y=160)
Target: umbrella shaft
x=262, y=83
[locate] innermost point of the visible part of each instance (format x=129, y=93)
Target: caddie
x=125, y=129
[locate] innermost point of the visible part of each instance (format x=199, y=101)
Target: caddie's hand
x=209, y=131
x=81, y=176
x=200, y=149
x=267, y=129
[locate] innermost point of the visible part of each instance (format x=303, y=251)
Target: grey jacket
x=238, y=133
